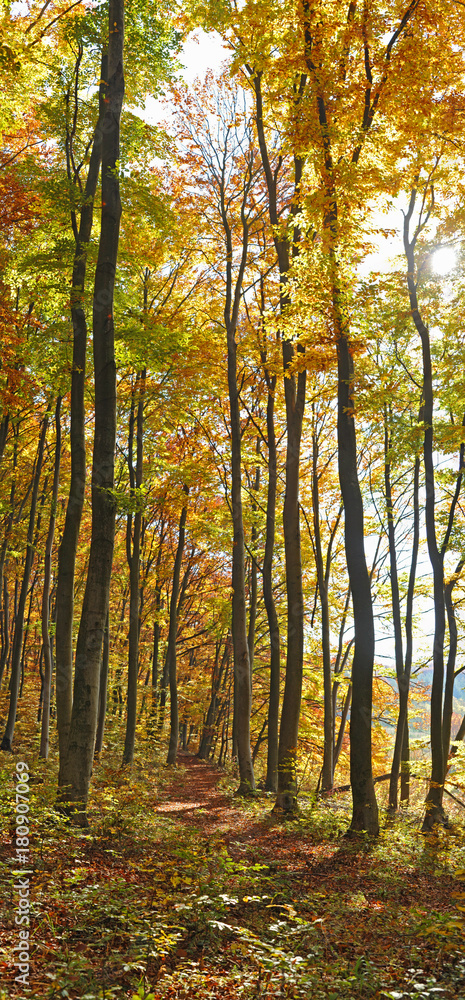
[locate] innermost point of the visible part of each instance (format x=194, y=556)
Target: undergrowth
x=148, y=905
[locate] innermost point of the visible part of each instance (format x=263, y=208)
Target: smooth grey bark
x=448, y=704
x=232, y=173
x=434, y=811
x=286, y=248
x=271, y=780
x=323, y=569
x=15, y=676
x=365, y=809
x=4, y=427
x=242, y=673
x=342, y=725
x=64, y=607
x=242, y=686
x=294, y=391
x=211, y=723
x=103, y=689
x=133, y=542
x=172, y=635
x=45, y=615
x=253, y=589
x=403, y=666
x=4, y=593
x=459, y=736
x=364, y=804
x=327, y=773
x=156, y=625
x=77, y=767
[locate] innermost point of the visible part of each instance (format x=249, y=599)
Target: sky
x=201, y=52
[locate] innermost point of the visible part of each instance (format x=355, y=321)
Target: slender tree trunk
x=294, y=391
x=67, y=552
x=403, y=667
x=5, y=627
x=342, y=725
x=163, y=688
x=253, y=593
x=242, y=676
x=156, y=630
x=364, y=804
x=4, y=593
x=211, y=718
x=405, y=766
x=4, y=427
x=402, y=681
x=134, y=522
x=450, y=668
x=327, y=774
x=172, y=636
x=434, y=808
x=271, y=781
x=76, y=772
x=15, y=678
x=46, y=640
x=103, y=688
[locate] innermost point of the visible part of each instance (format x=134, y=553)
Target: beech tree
x=69, y=542
x=76, y=768
x=442, y=592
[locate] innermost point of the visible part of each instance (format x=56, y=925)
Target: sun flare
x=444, y=260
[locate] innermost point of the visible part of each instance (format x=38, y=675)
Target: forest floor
x=186, y=891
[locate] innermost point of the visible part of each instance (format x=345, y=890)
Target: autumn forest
x=232, y=518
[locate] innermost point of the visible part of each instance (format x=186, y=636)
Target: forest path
x=193, y=796
x=364, y=897
x=308, y=854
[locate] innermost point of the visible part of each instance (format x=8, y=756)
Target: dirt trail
x=193, y=796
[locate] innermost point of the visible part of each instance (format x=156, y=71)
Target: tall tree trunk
x=403, y=667
x=253, y=593
x=294, y=391
x=4, y=593
x=103, y=687
x=451, y=659
x=46, y=640
x=15, y=677
x=242, y=674
x=211, y=717
x=271, y=781
x=76, y=772
x=134, y=524
x=365, y=809
x=342, y=725
x=172, y=636
x=327, y=772
x=434, y=809
x=405, y=765
x=155, y=694
x=4, y=427
x=364, y=805
x=64, y=610
x=242, y=692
